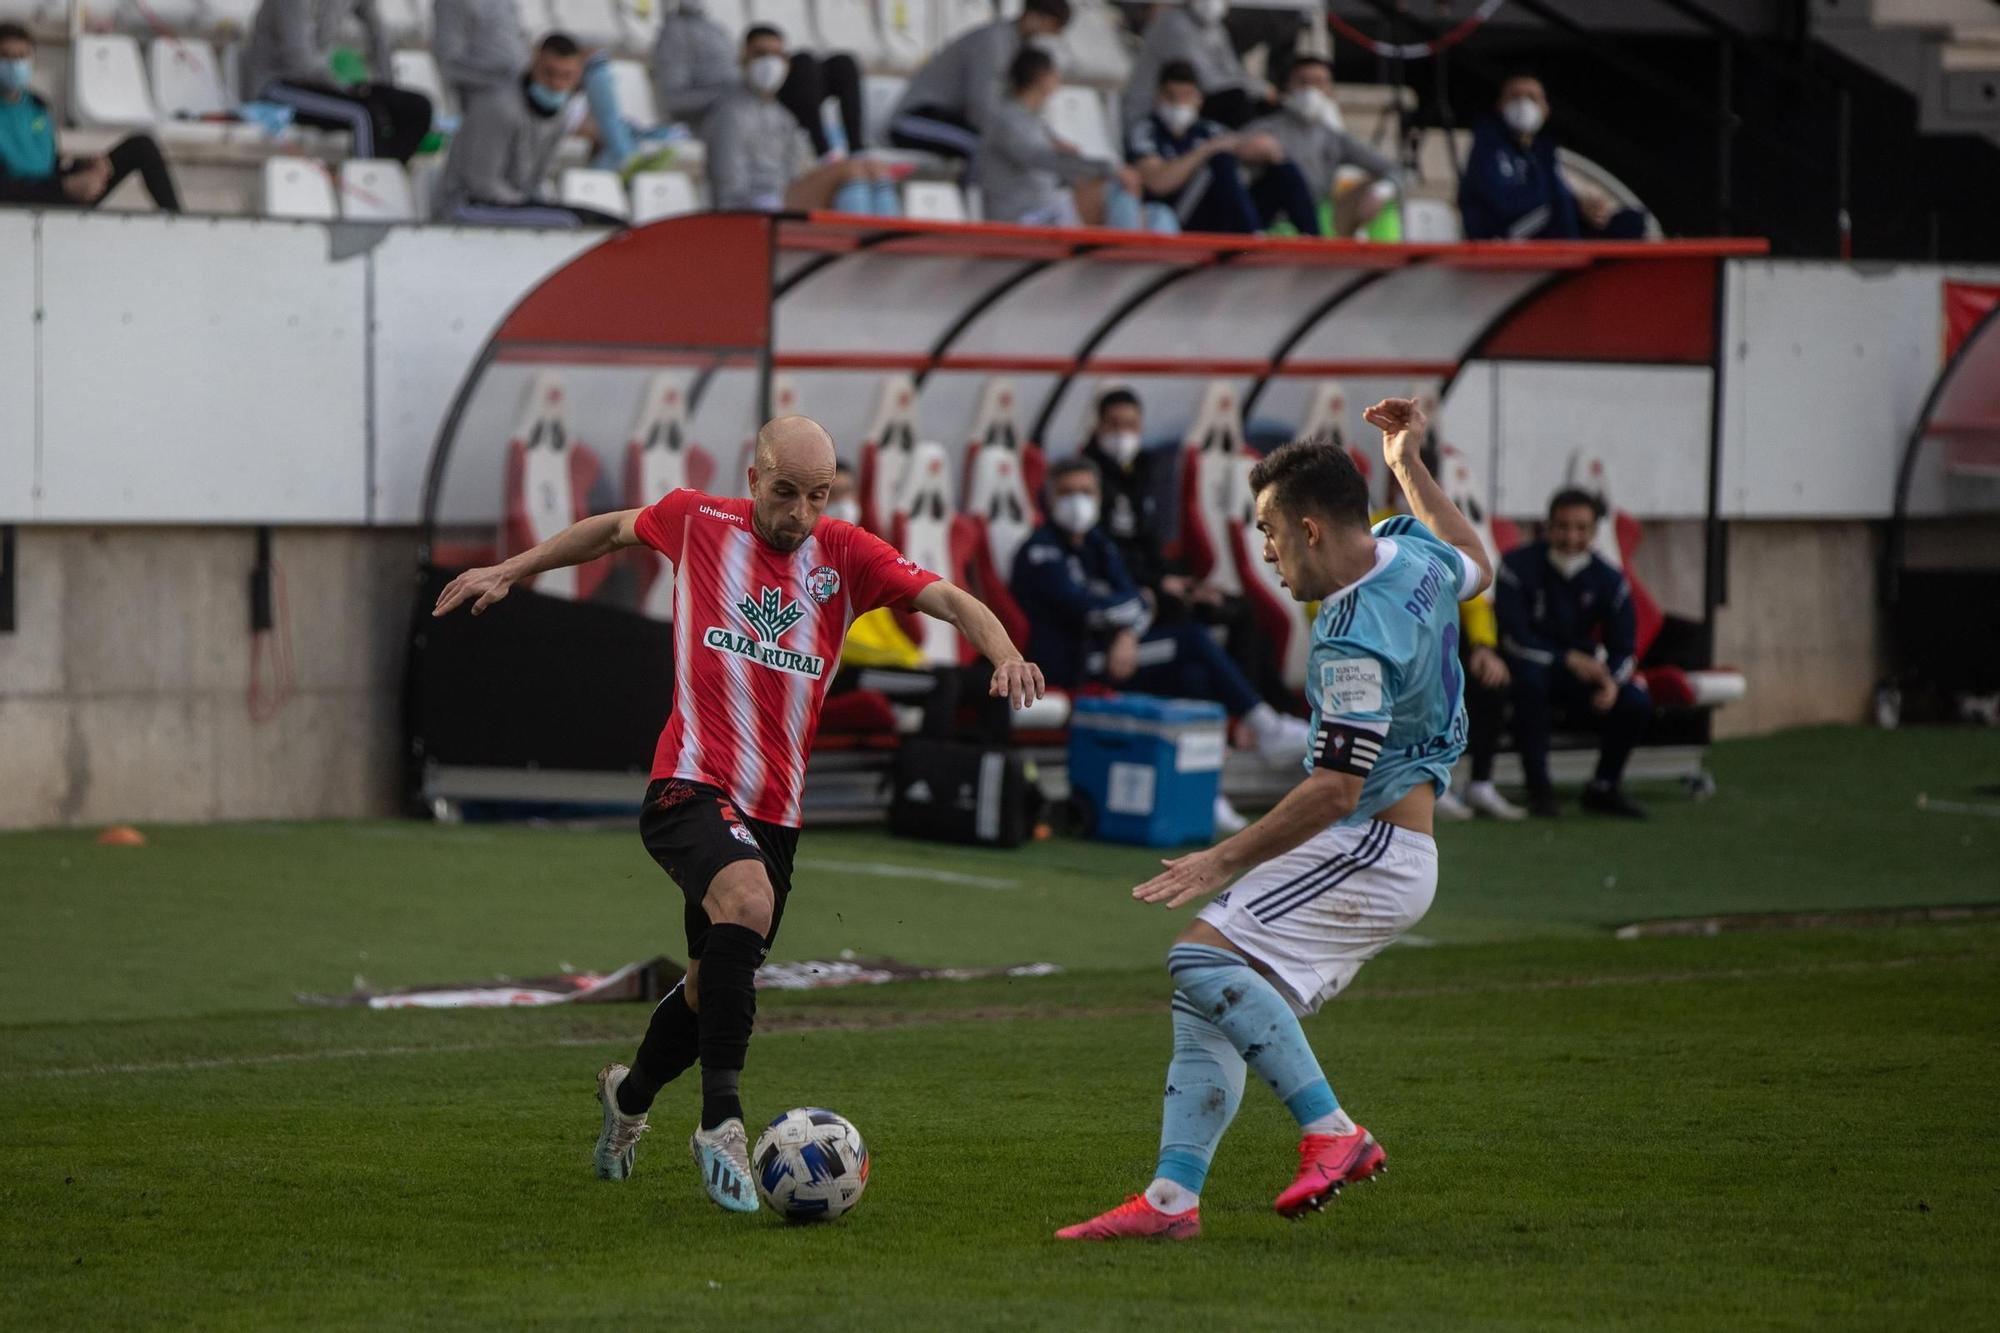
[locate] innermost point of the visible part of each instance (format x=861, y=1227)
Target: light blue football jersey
x=1384, y=659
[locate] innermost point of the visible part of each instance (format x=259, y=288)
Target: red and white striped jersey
x=757, y=635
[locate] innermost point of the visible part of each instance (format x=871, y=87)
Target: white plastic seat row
x=365, y=190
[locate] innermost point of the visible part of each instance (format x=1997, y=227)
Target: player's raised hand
x=1018, y=682
x=1403, y=426
x=1184, y=879
x=487, y=585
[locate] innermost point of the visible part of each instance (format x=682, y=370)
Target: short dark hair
x=558, y=44
x=1178, y=71
x=1314, y=475
x=756, y=30
x=1117, y=398
x=1571, y=496
x=1300, y=62
x=1069, y=467
x=14, y=32
x=1028, y=67
x=1049, y=9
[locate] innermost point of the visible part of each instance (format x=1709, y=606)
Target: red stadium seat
x=1328, y=415
x=548, y=483
x=1210, y=480
x=885, y=453
x=1280, y=616
x=660, y=458
x=921, y=530
x=1002, y=474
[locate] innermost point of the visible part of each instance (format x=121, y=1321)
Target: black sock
x=668, y=1048
x=728, y=1011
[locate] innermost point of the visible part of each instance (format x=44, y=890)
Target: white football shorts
x=1313, y=916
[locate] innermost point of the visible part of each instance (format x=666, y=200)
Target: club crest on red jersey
x=823, y=583
x=770, y=614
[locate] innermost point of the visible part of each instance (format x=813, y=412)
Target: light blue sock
x=888, y=202
x=1121, y=210
x=602, y=95
x=1223, y=988
x=1204, y=1088
x=857, y=196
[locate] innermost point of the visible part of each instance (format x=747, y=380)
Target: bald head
x=791, y=479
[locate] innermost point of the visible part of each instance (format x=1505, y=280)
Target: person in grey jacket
x=1193, y=33
x=478, y=45
x=760, y=158
x=952, y=96
x=289, y=59
x=1309, y=131
x=1028, y=178
x=501, y=153
x=695, y=63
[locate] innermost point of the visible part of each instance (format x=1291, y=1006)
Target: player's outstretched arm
x=1403, y=427
x=1324, y=798
x=1014, y=677
x=577, y=544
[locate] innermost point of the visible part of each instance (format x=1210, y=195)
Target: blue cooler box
x=1148, y=768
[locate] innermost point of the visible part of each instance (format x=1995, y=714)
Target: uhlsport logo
x=823, y=583
x=770, y=615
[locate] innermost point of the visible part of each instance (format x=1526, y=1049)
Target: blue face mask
x=15, y=74
x=547, y=99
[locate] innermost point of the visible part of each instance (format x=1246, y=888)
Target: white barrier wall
x=250, y=371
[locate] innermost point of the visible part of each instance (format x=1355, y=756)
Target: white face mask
x=1523, y=115
x=1308, y=104
x=1075, y=513
x=766, y=74
x=1208, y=12
x=847, y=511
x=1120, y=446
x=1569, y=566
x=1178, y=117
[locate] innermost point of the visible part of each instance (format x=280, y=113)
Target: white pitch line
x=890, y=870
x=1957, y=807
x=941, y=1017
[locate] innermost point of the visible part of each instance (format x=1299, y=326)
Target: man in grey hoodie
x=950, y=99
x=1027, y=177
x=289, y=59
x=501, y=154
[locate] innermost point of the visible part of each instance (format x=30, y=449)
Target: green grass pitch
x=1762, y=1129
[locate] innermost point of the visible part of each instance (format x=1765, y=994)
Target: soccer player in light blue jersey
x=1345, y=863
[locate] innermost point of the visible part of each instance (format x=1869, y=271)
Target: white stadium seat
x=584, y=187
x=849, y=25
x=376, y=190
x=426, y=183
x=879, y=95
x=660, y=457
x=933, y=201
x=1210, y=481
x=418, y=72
x=591, y=22
x=109, y=83
x=1096, y=44
x=408, y=22
x=634, y=87
x=662, y=194
x=638, y=27
x=794, y=18
x=732, y=15
x=922, y=532
x=230, y=19
x=534, y=17
x=1076, y=114
x=885, y=452
x=906, y=33
x=1431, y=222
x=298, y=187
x=187, y=79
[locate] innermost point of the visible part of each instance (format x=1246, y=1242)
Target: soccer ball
x=810, y=1165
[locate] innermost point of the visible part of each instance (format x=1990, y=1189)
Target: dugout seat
x=1281, y=618
x=549, y=479
x=1003, y=472
x=1210, y=479
x=1328, y=413
x=659, y=458
x=922, y=531
x=885, y=453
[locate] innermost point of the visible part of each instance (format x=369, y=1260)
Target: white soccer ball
x=810, y=1165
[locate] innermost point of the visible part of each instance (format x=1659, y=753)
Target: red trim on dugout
x=1108, y=365
x=1661, y=313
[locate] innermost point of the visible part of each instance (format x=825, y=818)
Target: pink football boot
x=1137, y=1217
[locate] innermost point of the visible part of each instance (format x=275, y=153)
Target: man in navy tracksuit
x=1512, y=189
x=1568, y=632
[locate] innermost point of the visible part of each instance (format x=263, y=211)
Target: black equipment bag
x=950, y=792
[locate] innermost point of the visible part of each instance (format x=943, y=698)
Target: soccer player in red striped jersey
x=764, y=591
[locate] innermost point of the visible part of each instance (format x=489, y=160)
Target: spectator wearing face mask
x=1310, y=130
x=503, y=149
x=1204, y=173
x=1193, y=35
x=956, y=92
x=1513, y=189
x=1092, y=625
x=759, y=158
x=1028, y=177
x=695, y=63
x=1132, y=481
x=33, y=169
x=1567, y=630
